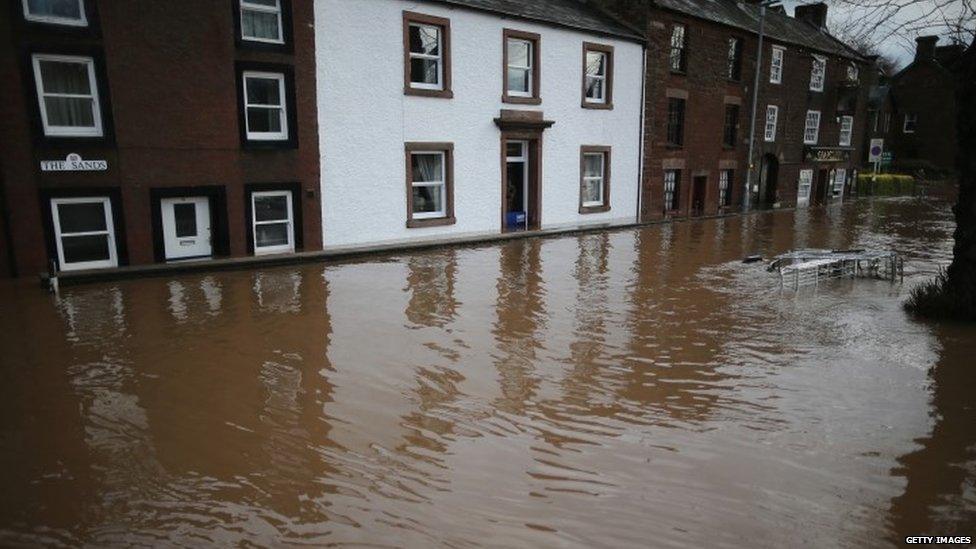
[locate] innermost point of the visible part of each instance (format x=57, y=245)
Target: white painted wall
x=365, y=119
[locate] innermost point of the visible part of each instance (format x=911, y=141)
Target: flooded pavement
x=625, y=389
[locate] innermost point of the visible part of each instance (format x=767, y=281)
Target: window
x=67, y=96
x=772, y=115
x=846, y=130
x=427, y=55
x=730, y=133
x=521, y=65
x=818, y=73
x=261, y=21
x=58, y=12
x=725, y=179
x=803, y=187
x=272, y=222
x=735, y=59
x=676, y=121
x=84, y=233
x=430, y=184
x=840, y=177
x=811, y=128
x=597, y=76
x=265, y=111
x=911, y=120
x=679, y=50
x=594, y=179
x=672, y=179
x=852, y=73
x=776, y=65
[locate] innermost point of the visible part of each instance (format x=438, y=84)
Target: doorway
x=520, y=187
x=186, y=227
x=698, y=189
x=820, y=189
x=769, y=179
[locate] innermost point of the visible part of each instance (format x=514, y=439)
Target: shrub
x=885, y=184
x=936, y=299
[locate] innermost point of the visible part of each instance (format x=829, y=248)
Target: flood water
x=625, y=389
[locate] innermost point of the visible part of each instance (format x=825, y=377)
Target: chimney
x=925, y=47
x=815, y=14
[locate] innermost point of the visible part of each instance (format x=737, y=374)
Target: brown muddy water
x=633, y=388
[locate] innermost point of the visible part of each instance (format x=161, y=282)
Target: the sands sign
x=827, y=154
x=74, y=163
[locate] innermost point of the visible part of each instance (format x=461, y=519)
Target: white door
x=186, y=227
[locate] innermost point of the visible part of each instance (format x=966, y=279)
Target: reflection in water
x=602, y=389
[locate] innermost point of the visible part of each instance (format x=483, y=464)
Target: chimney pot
x=925, y=47
x=814, y=14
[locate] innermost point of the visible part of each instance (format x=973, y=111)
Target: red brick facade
x=168, y=76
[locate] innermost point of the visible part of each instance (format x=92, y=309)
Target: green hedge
x=885, y=184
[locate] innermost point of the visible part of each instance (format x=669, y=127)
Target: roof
x=877, y=96
x=575, y=14
x=778, y=27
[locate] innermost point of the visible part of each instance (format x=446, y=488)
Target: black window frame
x=677, y=113
x=730, y=130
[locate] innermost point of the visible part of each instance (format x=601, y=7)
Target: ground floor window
x=273, y=225
x=84, y=232
x=840, y=177
x=672, y=180
x=430, y=184
x=803, y=187
x=725, y=188
x=594, y=179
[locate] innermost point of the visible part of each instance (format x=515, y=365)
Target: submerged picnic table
x=809, y=266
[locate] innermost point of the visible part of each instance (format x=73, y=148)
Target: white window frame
x=282, y=108
x=601, y=178
x=671, y=198
x=68, y=131
x=249, y=6
x=769, y=131
x=528, y=68
x=815, y=128
x=439, y=85
x=602, y=78
x=723, y=187
x=82, y=21
x=776, y=59
x=853, y=73
x=818, y=78
x=840, y=179
x=109, y=231
x=846, y=130
x=262, y=250
x=442, y=184
x=914, y=119
x=804, y=186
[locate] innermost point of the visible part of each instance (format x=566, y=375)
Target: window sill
x=515, y=99
x=673, y=146
x=594, y=209
x=599, y=106
x=433, y=222
x=419, y=92
x=679, y=73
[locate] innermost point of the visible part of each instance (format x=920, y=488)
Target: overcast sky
x=923, y=16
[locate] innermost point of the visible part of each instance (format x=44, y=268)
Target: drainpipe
x=755, y=98
x=640, y=135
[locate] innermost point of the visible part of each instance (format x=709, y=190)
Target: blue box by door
x=515, y=220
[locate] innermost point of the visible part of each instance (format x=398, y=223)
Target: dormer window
x=56, y=12
x=852, y=73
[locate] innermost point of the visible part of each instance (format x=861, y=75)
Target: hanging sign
x=74, y=163
x=827, y=154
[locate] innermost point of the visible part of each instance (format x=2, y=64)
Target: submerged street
x=631, y=388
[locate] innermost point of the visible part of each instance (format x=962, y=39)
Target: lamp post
x=755, y=98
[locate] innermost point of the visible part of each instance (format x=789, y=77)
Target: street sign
x=876, y=149
x=886, y=158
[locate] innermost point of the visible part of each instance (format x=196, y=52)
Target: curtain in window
x=427, y=198
x=262, y=25
x=69, y=9
x=60, y=79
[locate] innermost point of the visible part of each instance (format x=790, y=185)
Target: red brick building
x=141, y=132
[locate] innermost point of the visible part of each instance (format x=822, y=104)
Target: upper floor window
x=679, y=50
x=776, y=65
x=427, y=55
x=676, y=121
x=261, y=21
x=772, y=114
x=818, y=73
x=852, y=73
x=731, y=130
x=58, y=12
x=911, y=120
x=811, y=128
x=735, y=58
x=265, y=108
x=67, y=95
x=594, y=179
x=521, y=77
x=846, y=130
x=597, y=76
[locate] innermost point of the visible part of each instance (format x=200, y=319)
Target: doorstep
x=337, y=253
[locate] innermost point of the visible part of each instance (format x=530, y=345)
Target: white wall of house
x=365, y=119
